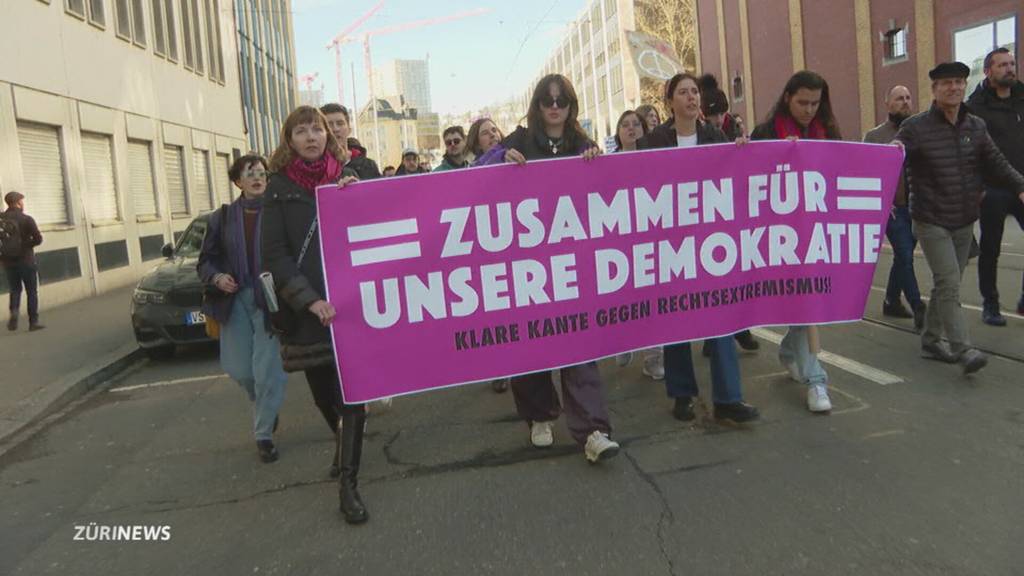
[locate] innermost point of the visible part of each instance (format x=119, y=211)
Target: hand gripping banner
x=466, y=276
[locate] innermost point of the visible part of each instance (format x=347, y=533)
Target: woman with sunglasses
x=309, y=156
x=552, y=131
x=685, y=129
x=229, y=264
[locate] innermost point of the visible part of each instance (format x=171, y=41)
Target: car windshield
x=191, y=241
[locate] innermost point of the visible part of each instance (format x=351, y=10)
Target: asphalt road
x=917, y=471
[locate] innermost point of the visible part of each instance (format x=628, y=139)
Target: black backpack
x=10, y=237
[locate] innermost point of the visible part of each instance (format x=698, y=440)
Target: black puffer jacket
x=538, y=147
x=664, y=136
x=946, y=164
x=1004, y=119
x=360, y=163
x=288, y=212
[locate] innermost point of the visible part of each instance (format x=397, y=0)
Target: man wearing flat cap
x=948, y=152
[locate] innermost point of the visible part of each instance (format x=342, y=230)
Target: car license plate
x=195, y=317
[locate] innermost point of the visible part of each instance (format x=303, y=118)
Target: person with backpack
x=19, y=235
x=229, y=265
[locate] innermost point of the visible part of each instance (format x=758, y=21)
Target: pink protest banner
x=470, y=275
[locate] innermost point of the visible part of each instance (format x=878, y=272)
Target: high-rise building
x=409, y=78
x=267, y=63
x=118, y=125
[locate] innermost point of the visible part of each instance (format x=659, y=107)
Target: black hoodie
x=1004, y=119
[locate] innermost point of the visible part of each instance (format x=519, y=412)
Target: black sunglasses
x=548, y=102
x=453, y=142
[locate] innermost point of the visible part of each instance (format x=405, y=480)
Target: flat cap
x=950, y=70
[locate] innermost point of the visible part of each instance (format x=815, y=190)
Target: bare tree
x=674, y=21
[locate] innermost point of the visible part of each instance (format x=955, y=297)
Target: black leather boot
x=351, y=451
x=336, y=462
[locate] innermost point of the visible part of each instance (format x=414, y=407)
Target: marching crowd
x=964, y=160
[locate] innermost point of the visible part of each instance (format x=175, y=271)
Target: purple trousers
x=586, y=408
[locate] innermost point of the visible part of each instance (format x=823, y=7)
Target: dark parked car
x=166, y=302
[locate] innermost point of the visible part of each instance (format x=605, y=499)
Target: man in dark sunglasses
x=455, y=155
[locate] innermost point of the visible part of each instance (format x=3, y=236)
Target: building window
x=737, y=88
x=895, y=42
x=172, y=30
x=610, y=6
x=970, y=45
x=76, y=7
x=186, y=35
x=213, y=41
x=197, y=37
x=131, y=21
x=96, y=14
x=613, y=48
x=159, y=30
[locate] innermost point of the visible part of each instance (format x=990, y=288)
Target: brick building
x=862, y=47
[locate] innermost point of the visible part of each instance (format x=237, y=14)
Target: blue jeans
x=681, y=382
x=252, y=357
x=19, y=275
x=795, y=349
x=901, y=275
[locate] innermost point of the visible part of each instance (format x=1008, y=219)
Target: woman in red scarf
x=804, y=110
x=309, y=156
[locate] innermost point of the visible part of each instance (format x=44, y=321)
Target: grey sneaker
x=938, y=351
x=541, y=435
x=599, y=447
x=654, y=366
x=972, y=361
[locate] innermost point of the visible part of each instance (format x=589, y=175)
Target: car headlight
x=140, y=296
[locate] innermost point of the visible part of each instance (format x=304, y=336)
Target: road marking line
x=895, y=432
x=875, y=375
x=168, y=382
x=968, y=306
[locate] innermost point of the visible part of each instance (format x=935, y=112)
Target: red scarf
x=309, y=175
x=786, y=126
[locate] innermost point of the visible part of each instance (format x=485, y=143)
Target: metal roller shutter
x=100, y=191
x=140, y=178
x=43, y=169
x=174, y=167
x=201, y=179
x=222, y=178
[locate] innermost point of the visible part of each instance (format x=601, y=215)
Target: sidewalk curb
x=58, y=394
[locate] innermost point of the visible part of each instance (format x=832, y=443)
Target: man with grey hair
x=19, y=236
x=898, y=230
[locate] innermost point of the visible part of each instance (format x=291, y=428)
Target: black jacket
x=664, y=136
x=946, y=164
x=360, y=163
x=1004, y=119
x=288, y=212
x=537, y=148
x=30, y=237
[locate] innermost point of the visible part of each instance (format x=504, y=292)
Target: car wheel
x=160, y=352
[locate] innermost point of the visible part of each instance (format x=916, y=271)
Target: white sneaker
x=623, y=360
x=540, y=434
x=794, y=371
x=599, y=447
x=654, y=366
x=817, y=399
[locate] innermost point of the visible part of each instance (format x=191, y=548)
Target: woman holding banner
x=685, y=129
x=552, y=131
x=803, y=110
x=484, y=141
x=309, y=156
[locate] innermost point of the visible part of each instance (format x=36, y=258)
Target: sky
x=474, y=61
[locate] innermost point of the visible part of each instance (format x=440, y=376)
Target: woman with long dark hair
x=803, y=110
x=309, y=156
x=552, y=131
x=650, y=115
x=685, y=129
x=484, y=142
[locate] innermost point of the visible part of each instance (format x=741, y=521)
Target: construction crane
x=342, y=38
x=308, y=79
x=368, y=60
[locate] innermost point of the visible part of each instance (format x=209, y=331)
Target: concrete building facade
x=862, y=47
x=396, y=128
x=118, y=121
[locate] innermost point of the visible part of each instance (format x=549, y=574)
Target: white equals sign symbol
x=380, y=231
x=859, y=185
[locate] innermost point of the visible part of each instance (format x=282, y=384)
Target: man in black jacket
x=999, y=101
x=340, y=124
x=19, y=260
x=948, y=152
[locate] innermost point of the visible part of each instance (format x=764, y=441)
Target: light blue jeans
x=252, y=357
x=795, y=349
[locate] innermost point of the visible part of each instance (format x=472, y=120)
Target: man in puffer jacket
x=949, y=151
